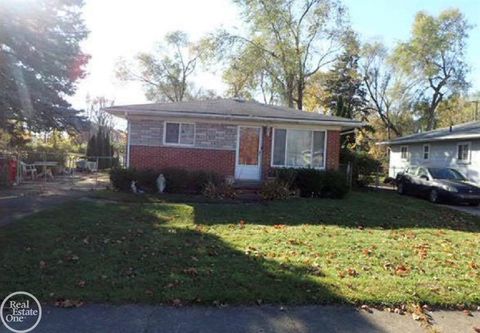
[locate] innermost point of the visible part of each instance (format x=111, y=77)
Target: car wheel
x=400, y=188
x=433, y=196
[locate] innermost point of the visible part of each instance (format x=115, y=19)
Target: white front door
x=248, y=153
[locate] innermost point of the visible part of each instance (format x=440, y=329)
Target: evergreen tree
x=343, y=88
x=344, y=92
x=40, y=61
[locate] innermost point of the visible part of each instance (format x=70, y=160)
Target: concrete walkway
x=253, y=319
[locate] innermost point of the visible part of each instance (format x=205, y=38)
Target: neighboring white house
x=457, y=147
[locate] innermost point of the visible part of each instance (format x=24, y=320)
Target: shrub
x=314, y=183
x=287, y=175
x=363, y=166
x=219, y=191
x=334, y=185
x=122, y=178
x=177, y=180
x=275, y=190
x=199, y=180
x=147, y=180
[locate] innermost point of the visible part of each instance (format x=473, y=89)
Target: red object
x=220, y=161
x=12, y=171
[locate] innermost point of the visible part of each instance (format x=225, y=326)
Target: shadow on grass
x=123, y=254
x=360, y=209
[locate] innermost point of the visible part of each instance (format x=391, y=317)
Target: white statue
x=161, y=183
x=133, y=186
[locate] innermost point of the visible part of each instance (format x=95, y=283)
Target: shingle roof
x=468, y=130
x=230, y=108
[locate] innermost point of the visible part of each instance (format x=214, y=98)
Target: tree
x=288, y=41
x=166, y=74
x=343, y=87
x=99, y=145
x=384, y=87
x=434, y=59
x=40, y=62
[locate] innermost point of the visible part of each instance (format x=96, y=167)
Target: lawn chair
x=28, y=170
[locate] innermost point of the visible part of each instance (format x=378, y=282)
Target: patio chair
x=28, y=170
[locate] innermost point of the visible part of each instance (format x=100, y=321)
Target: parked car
x=438, y=185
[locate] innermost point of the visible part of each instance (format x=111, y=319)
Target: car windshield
x=446, y=173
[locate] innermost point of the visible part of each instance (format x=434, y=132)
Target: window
x=298, y=148
x=404, y=152
x=426, y=152
x=179, y=133
x=463, y=152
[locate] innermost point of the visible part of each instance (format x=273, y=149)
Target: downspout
x=128, y=143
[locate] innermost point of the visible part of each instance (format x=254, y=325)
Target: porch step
x=247, y=185
x=248, y=190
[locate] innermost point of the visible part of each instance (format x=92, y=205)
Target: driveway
x=31, y=197
x=466, y=209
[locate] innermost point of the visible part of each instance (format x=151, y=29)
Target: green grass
x=375, y=248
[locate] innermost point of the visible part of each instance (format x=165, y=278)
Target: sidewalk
x=236, y=319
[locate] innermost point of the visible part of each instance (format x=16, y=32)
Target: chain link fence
x=67, y=170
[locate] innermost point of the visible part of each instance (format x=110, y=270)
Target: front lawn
x=375, y=248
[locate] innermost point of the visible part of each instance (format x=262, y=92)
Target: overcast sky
x=124, y=28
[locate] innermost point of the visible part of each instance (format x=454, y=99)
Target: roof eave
x=451, y=138
x=125, y=113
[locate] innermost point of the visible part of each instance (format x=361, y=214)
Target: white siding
x=442, y=154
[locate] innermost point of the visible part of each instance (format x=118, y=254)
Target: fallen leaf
x=81, y=283
x=149, y=292
x=401, y=270
x=352, y=272
x=67, y=303
x=191, y=271
x=42, y=264
x=366, y=308
x=467, y=313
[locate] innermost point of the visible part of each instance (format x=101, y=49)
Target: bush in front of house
x=219, y=191
x=177, y=180
x=314, y=183
x=122, y=178
x=275, y=190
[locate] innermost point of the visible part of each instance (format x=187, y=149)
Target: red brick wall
x=220, y=161
x=333, y=150
x=157, y=158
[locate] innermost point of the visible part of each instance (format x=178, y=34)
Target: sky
x=123, y=28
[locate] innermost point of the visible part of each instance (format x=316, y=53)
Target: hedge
x=177, y=180
x=314, y=183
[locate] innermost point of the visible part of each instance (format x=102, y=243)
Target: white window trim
x=179, y=125
x=423, y=152
x=467, y=161
x=286, y=147
x=403, y=158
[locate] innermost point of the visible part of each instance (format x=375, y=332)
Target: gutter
x=124, y=113
x=450, y=138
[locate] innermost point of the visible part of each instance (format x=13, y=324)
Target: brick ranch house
x=233, y=137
